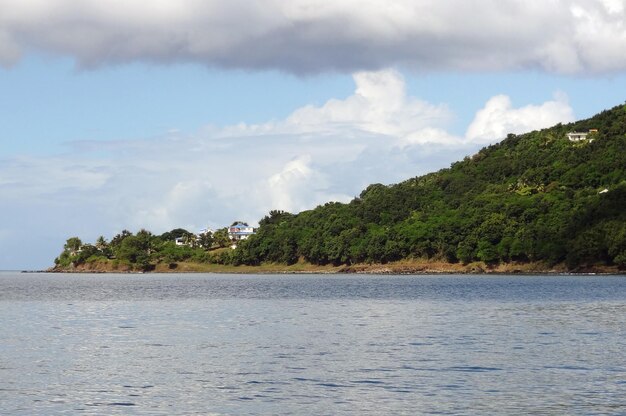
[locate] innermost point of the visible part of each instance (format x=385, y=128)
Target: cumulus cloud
x=298, y=186
x=498, y=118
x=331, y=152
x=379, y=105
x=310, y=36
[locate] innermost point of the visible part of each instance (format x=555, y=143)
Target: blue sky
x=190, y=114
x=140, y=100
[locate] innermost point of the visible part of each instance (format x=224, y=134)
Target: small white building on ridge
x=240, y=231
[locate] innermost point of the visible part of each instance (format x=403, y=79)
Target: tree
x=221, y=237
x=275, y=217
x=174, y=234
x=135, y=251
x=206, y=240
x=103, y=247
x=101, y=243
x=117, y=240
x=73, y=245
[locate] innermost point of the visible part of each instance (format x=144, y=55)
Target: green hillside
x=535, y=197
x=532, y=197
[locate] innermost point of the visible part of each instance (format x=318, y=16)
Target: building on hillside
x=577, y=136
x=240, y=231
x=180, y=241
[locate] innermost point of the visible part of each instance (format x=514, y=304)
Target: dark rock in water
x=476, y=268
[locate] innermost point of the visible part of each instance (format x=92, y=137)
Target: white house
x=576, y=136
x=240, y=231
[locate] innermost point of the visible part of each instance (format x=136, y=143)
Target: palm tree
x=101, y=243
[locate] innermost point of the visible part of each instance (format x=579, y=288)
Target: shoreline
x=403, y=267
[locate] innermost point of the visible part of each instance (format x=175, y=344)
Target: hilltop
x=535, y=199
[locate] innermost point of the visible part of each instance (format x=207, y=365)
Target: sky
x=194, y=113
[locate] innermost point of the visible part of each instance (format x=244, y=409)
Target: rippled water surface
x=323, y=345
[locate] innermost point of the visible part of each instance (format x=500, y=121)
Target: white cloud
x=182, y=203
x=316, y=154
x=285, y=185
x=614, y=6
x=498, y=118
x=298, y=187
x=54, y=173
x=379, y=105
x=309, y=36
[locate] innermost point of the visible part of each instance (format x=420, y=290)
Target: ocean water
x=311, y=344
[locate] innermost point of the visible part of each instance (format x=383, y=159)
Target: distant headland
x=552, y=200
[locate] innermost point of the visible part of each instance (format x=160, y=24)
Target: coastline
x=407, y=267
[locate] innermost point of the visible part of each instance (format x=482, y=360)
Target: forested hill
x=536, y=198
x=532, y=197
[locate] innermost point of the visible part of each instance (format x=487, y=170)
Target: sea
x=213, y=344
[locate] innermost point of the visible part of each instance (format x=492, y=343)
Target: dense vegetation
x=531, y=197
x=143, y=250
